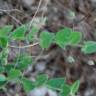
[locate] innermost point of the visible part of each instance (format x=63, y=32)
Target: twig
x=35, y=13
x=14, y=18
x=26, y=46
x=9, y=10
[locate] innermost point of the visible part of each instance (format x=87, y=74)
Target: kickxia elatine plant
x=14, y=71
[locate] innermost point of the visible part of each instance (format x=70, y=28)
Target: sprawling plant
x=13, y=72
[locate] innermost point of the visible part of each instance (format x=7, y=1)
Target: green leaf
x=14, y=74
x=28, y=85
x=19, y=33
x=65, y=90
x=2, y=78
x=89, y=47
x=5, y=30
x=75, y=38
x=41, y=79
x=75, y=87
x=3, y=42
x=62, y=37
x=4, y=56
x=46, y=39
x=56, y=83
x=24, y=61
x=31, y=35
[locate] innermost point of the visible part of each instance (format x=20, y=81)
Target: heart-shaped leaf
x=46, y=39
x=5, y=30
x=65, y=90
x=14, y=74
x=19, y=33
x=28, y=85
x=56, y=83
x=62, y=37
x=89, y=47
x=41, y=79
x=75, y=38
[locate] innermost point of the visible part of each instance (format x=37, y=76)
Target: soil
x=80, y=15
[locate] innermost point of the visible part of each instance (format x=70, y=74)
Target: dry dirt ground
x=79, y=15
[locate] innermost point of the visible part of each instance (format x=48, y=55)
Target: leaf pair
x=67, y=37
x=20, y=33
x=42, y=80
